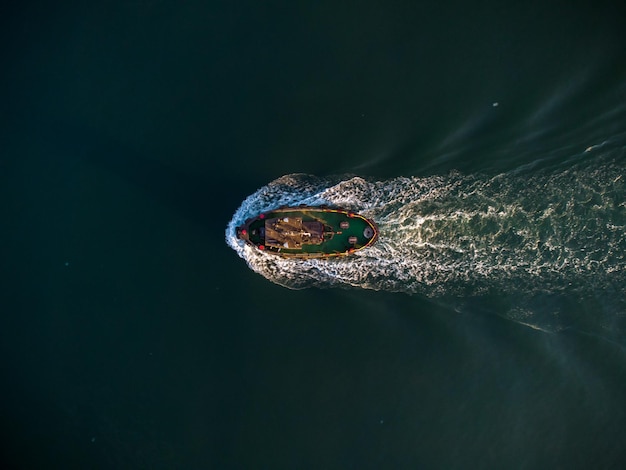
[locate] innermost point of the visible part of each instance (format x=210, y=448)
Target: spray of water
x=536, y=246
x=527, y=233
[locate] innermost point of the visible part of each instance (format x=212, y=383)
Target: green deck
x=336, y=244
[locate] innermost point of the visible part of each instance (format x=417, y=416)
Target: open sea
x=486, y=328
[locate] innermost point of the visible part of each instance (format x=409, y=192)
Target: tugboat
x=308, y=232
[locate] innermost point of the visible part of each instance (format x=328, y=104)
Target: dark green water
x=485, y=329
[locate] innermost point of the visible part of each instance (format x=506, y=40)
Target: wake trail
x=549, y=231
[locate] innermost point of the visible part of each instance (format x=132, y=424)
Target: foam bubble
x=462, y=234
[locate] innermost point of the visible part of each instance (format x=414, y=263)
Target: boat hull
x=307, y=232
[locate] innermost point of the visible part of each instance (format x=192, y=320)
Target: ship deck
x=296, y=232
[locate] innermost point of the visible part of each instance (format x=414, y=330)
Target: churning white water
x=527, y=230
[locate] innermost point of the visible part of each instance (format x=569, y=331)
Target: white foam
x=462, y=234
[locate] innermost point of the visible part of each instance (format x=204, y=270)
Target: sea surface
x=486, y=328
